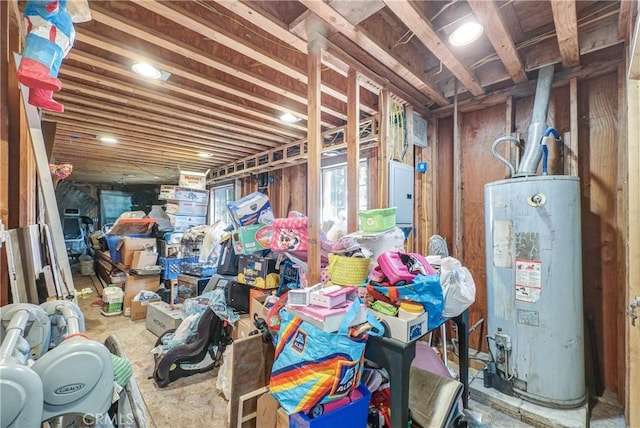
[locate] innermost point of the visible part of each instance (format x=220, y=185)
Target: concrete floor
x=194, y=401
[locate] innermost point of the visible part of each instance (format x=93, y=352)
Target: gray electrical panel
x=401, y=192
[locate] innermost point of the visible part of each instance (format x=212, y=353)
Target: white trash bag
x=458, y=287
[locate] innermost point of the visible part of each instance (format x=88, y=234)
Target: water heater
x=534, y=289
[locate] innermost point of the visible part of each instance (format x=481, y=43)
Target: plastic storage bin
x=172, y=267
x=378, y=220
x=350, y=414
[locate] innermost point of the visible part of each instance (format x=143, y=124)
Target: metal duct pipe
x=532, y=152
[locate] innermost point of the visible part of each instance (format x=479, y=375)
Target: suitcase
x=228, y=262
x=398, y=266
x=238, y=296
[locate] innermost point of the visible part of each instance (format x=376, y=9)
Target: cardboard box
x=251, y=209
x=184, y=222
x=243, y=327
x=267, y=408
x=402, y=330
x=162, y=317
x=167, y=191
x=254, y=270
x=139, y=308
x=193, y=180
x=143, y=259
x=190, y=195
x=282, y=419
x=135, y=284
x=328, y=320
x=191, y=286
x=129, y=245
x=186, y=208
x=250, y=239
x=256, y=303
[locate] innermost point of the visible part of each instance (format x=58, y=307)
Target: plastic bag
x=223, y=380
x=458, y=287
x=425, y=289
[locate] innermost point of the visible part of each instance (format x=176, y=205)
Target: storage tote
x=378, y=220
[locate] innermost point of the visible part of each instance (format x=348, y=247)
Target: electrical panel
x=419, y=130
x=401, y=186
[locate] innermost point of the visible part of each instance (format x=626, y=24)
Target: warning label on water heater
x=528, y=280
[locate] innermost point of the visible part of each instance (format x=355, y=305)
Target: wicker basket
x=348, y=270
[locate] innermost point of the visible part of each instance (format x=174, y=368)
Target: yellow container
x=348, y=270
x=409, y=310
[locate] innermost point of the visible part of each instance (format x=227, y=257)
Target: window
x=334, y=192
x=219, y=197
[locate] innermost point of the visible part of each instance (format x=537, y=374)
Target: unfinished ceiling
x=234, y=67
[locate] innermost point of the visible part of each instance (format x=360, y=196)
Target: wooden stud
x=632, y=332
x=383, y=149
x=314, y=173
x=458, y=226
x=571, y=145
x=352, y=139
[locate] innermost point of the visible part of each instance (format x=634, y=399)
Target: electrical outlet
x=503, y=341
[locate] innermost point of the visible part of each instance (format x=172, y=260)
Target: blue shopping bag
x=314, y=367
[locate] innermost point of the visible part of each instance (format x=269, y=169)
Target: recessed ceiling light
x=466, y=34
x=288, y=117
x=129, y=175
x=146, y=70
x=205, y=155
x=107, y=139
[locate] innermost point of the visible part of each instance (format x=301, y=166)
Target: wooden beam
x=489, y=16
x=634, y=53
x=76, y=103
x=331, y=16
x=170, y=100
x=353, y=150
x=4, y=142
x=209, y=29
x=421, y=27
x=314, y=173
x=178, y=70
x=157, y=38
x=625, y=20
x=80, y=94
x=566, y=22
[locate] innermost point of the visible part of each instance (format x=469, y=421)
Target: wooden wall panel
x=598, y=141
x=478, y=131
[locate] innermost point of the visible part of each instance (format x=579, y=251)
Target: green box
x=251, y=239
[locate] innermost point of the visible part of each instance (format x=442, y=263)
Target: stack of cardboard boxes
x=186, y=207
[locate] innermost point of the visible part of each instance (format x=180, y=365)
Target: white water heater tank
x=534, y=285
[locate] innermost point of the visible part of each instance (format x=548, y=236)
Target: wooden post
x=571, y=145
x=314, y=136
x=4, y=144
x=632, y=332
x=383, y=149
x=458, y=225
x=352, y=137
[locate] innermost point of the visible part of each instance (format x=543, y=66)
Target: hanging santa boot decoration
x=44, y=99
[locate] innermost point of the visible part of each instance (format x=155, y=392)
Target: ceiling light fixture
x=107, y=139
x=288, y=117
x=205, y=155
x=146, y=70
x=467, y=33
